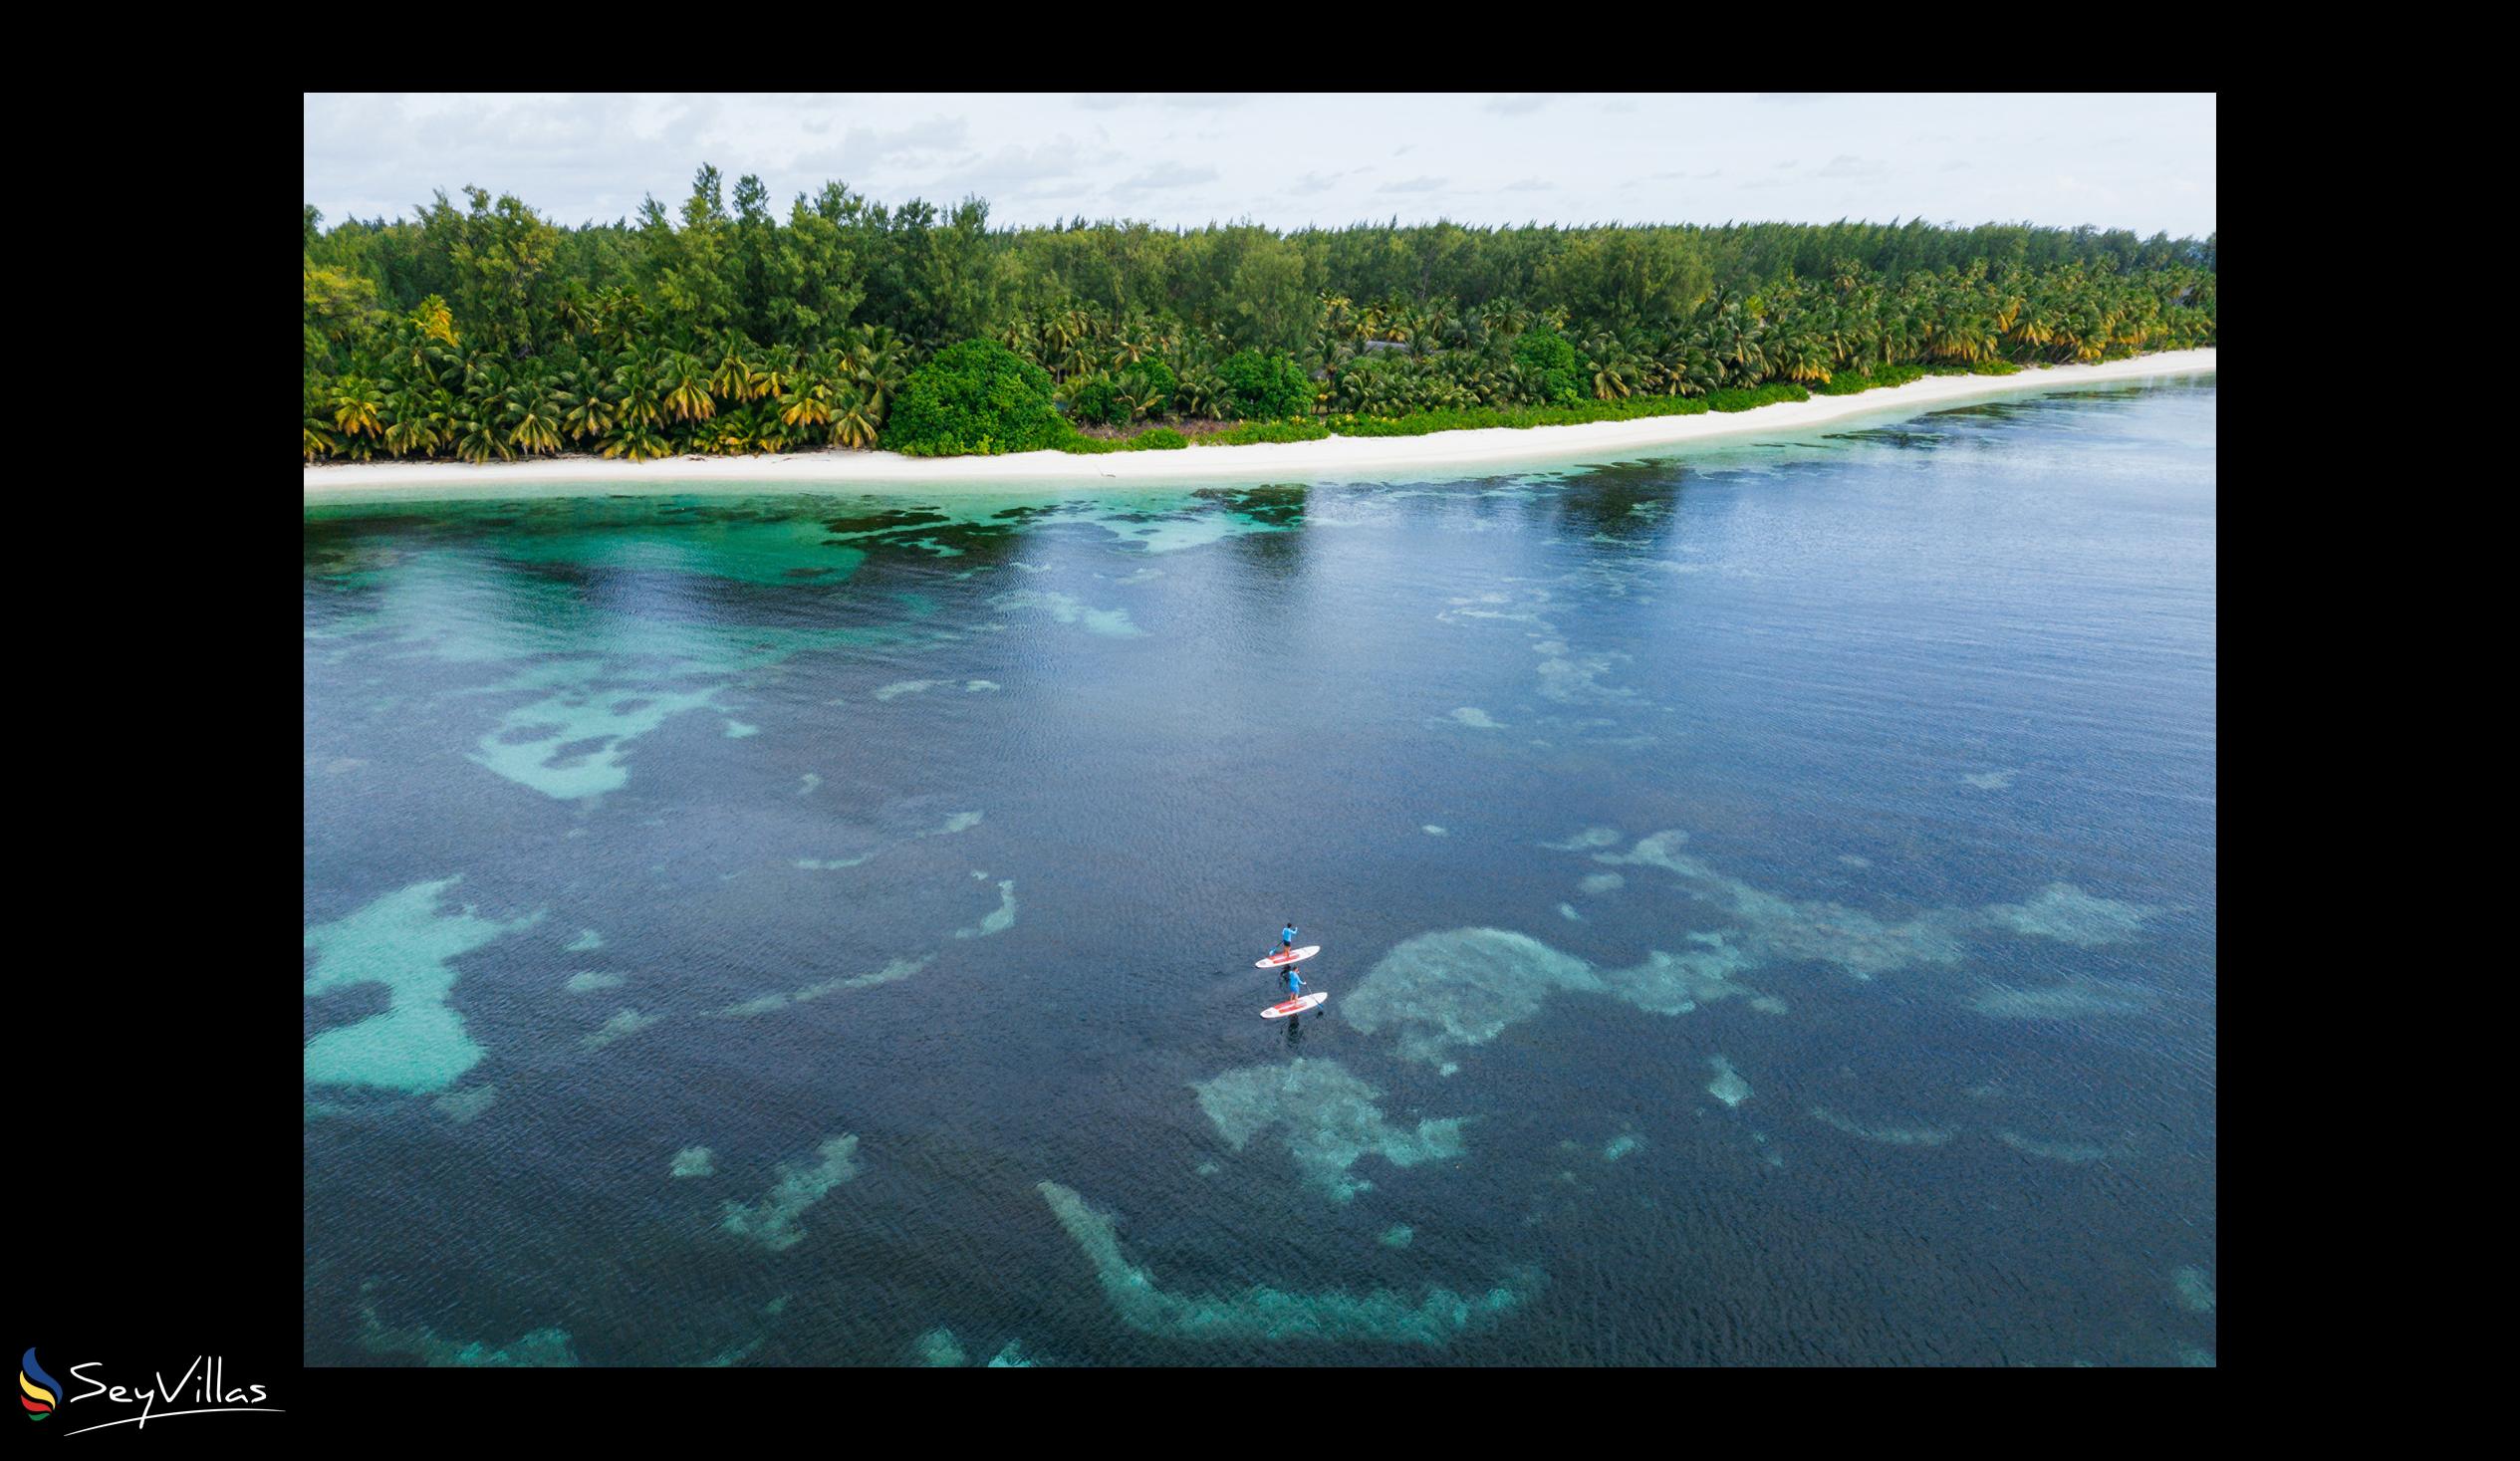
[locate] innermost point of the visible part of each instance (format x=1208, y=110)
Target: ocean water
x=1767, y=904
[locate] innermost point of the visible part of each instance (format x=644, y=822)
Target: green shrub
x=1848, y=382
x=1395, y=384
x=1148, y=386
x=1160, y=438
x=1256, y=433
x=1262, y=387
x=1420, y=424
x=974, y=399
x=1095, y=401
x=1553, y=356
x=1750, y=400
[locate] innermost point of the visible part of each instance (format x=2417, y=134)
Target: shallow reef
x=772, y=1221
x=1447, y=991
x=406, y=943
x=1381, y=1315
x=1327, y=1118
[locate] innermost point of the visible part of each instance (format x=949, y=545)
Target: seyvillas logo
x=36, y=1391
x=204, y=1385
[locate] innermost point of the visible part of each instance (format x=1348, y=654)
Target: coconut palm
x=413, y=430
x=584, y=410
x=685, y=388
x=636, y=442
x=532, y=417
x=357, y=406
x=1613, y=369
x=770, y=377
x=732, y=379
x=856, y=422
x=878, y=362
x=478, y=438
x=1196, y=392
x=807, y=405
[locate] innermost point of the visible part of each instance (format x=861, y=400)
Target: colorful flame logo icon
x=39, y=1391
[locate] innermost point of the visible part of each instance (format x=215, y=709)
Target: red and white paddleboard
x=1280, y=961
x=1295, y=1006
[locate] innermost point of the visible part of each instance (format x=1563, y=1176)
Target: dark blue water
x=1767, y=902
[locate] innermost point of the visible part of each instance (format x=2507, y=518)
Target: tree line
x=487, y=331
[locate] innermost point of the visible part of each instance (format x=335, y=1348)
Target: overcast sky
x=2139, y=162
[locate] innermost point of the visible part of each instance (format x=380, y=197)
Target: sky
x=2140, y=161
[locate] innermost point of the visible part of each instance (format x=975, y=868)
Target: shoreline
x=1344, y=457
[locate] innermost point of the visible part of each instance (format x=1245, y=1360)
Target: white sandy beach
x=1338, y=457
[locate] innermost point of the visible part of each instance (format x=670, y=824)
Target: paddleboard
x=1280, y=961
x=1296, y=1006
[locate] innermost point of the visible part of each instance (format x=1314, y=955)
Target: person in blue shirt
x=1294, y=983
x=1286, y=939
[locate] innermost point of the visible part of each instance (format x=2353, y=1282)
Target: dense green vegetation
x=976, y=399
x=487, y=333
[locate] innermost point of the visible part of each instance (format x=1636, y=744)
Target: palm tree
x=1505, y=316
x=584, y=409
x=477, y=439
x=320, y=441
x=770, y=377
x=1131, y=341
x=767, y=434
x=879, y=363
x=1683, y=369
x=636, y=442
x=732, y=378
x=532, y=417
x=1736, y=337
x=1139, y=394
x=414, y=429
x=728, y=433
x=356, y=404
x=1613, y=372
x=807, y=405
x=1067, y=340
x=686, y=388
x=857, y=423
x=574, y=312
x=618, y=314
x=1197, y=391
x=637, y=397
x=1800, y=357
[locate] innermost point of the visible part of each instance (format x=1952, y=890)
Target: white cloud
x=1181, y=100
x=1518, y=104
x=1162, y=176
x=1021, y=173
x=1287, y=159
x=870, y=150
